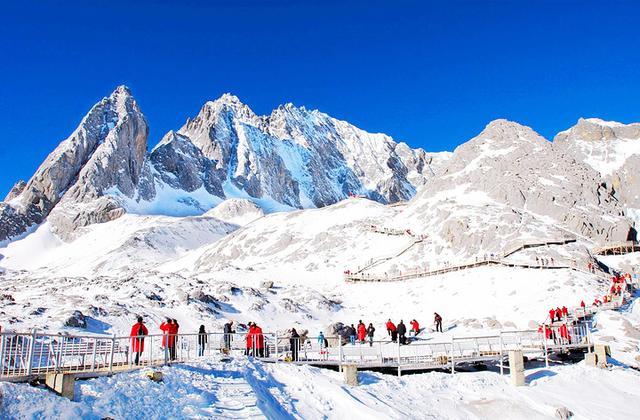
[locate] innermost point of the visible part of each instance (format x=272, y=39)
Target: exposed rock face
x=76, y=320
x=516, y=167
x=302, y=158
x=16, y=190
x=105, y=152
x=612, y=149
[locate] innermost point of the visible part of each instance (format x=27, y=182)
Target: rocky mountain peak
x=595, y=129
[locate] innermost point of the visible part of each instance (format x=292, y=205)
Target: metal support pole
x=453, y=364
x=276, y=345
x=2, y=356
x=501, y=355
x=30, y=354
x=399, y=369
x=93, y=361
x=111, y=351
x=544, y=341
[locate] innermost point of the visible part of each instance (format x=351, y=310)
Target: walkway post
x=399, y=370
x=544, y=342
x=32, y=345
x=453, y=364
x=340, y=352
x=276, y=345
x=501, y=356
x=93, y=361
x=111, y=351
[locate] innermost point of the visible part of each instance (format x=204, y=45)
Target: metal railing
x=34, y=354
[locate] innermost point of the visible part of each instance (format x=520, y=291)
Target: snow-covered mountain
x=293, y=158
x=612, y=149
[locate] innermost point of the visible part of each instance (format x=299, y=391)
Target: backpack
x=140, y=331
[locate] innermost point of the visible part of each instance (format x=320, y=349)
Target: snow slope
x=245, y=389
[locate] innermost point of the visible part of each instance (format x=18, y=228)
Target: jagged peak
x=594, y=129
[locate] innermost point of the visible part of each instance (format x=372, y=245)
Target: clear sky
x=428, y=73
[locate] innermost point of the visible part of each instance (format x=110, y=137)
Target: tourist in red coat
x=390, y=327
x=138, y=331
x=259, y=340
x=564, y=334
x=415, y=327
x=249, y=344
x=164, y=327
x=559, y=313
x=362, y=332
x=582, y=304
x=565, y=311
x=552, y=314
x=173, y=338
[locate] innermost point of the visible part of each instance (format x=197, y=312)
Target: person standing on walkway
x=228, y=331
x=352, y=334
x=402, y=332
x=249, y=347
x=370, y=331
x=362, y=332
x=294, y=343
x=565, y=312
x=390, y=327
x=138, y=331
x=173, y=338
x=415, y=327
x=259, y=340
x=202, y=340
x=437, y=319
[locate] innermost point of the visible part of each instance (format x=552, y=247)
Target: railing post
x=544, y=342
x=32, y=345
x=166, y=349
x=453, y=364
x=95, y=345
x=275, y=341
x=111, y=351
x=2, y=356
x=501, y=355
x=399, y=369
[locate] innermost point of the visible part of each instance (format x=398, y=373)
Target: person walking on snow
x=438, y=321
x=202, y=340
x=370, y=331
x=402, y=331
x=362, y=332
x=552, y=314
x=138, y=331
x=565, y=312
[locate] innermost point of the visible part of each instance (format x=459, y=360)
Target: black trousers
x=439, y=326
x=136, y=359
x=172, y=352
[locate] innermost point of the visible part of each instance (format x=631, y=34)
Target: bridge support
x=63, y=384
x=516, y=367
x=350, y=371
x=601, y=352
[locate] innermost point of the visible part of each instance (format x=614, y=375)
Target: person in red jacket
x=582, y=304
x=259, y=340
x=559, y=313
x=173, y=338
x=164, y=327
x=564, y=334
x=362, y=332
x=415, y=327
x=138, y=331
x=552, y=314
x=565, y=312
x=619, y=290
x=250, y=340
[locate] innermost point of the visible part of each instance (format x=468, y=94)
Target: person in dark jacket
x=352, y=334
x=202, y=340
x=402, y=331
x=294, y=342
x=370, y=331
x=228, y=331
x=438, y=321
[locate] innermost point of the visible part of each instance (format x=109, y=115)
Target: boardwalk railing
x=617, y=248
x=25, y=356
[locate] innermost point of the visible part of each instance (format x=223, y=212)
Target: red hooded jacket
x=138, y=331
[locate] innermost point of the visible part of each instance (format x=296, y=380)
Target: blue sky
x=428, y=73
